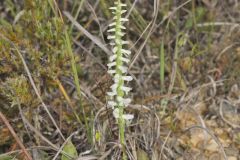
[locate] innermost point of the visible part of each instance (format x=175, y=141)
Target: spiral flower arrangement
x=118, y=69
x=116, y=66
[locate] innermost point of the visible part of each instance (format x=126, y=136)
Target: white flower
x=114, y=87
x=121, y=4
x=111, y=94
x=116, y=78
x=124, y=19
x=123, y=11
x=125, y=59
x=125, y=42
x=111, y=64
x=123, y=69
x=112, y=103
x=126, y=89
x=114, y=50
x=111, y=71
x=111, y=30
x=126, y=52
x=122, y=27
x=128, y=116
x=126, y=101
x=111, y=37
x=125, y=116
x=123, y=101
x=112, y=24
x=121, y=34
x=127, y=78
x=112, y=58
x=113, y=8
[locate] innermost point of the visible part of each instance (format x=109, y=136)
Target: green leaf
x=6, y=157
x=40, y=154
x=189, y=23
x=162, y=66
x=142, y=155
x=70, y=149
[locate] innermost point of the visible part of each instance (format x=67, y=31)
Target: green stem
x=121, y=132
x=120, y=93
x=76, y=81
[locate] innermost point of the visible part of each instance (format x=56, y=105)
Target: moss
x=17, y=90
x=39, y=36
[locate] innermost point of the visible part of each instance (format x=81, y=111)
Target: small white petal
x=124, y=116
x=128, y=116
x=125, y=42
x=115, y=49
x=112, y=103
x=125, y=59
x=126, y=89
x=123, y=19
x=121, y=4
x=112, y=43
x=112, y=24
x=127, y=78
x=116, y=113
x=121, y=34
x=111, y=71
x=111, y=37
x=112, y=58
x=123, y=101
x=123, y=11
x=113, y=8
x=111, y=30
x=119, y=99
x=111, y=94
x=126, y=101
x=123, y=69
x=114, y=87
x=122, y=27
x=126, y=52
x=111, y=64
x=116, y=78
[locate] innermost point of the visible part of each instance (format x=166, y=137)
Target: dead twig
x=96, y=40
x=5, y=121
x=156, y=8
x=222, y=116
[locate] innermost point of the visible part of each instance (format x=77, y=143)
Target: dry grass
x=195, y=116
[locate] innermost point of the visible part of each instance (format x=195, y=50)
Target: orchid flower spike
x=117, y=66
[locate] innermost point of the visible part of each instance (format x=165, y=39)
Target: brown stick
x=5, y=121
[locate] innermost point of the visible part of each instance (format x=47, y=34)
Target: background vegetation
x=53, y=80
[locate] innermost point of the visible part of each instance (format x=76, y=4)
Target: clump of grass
x=76, y=81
